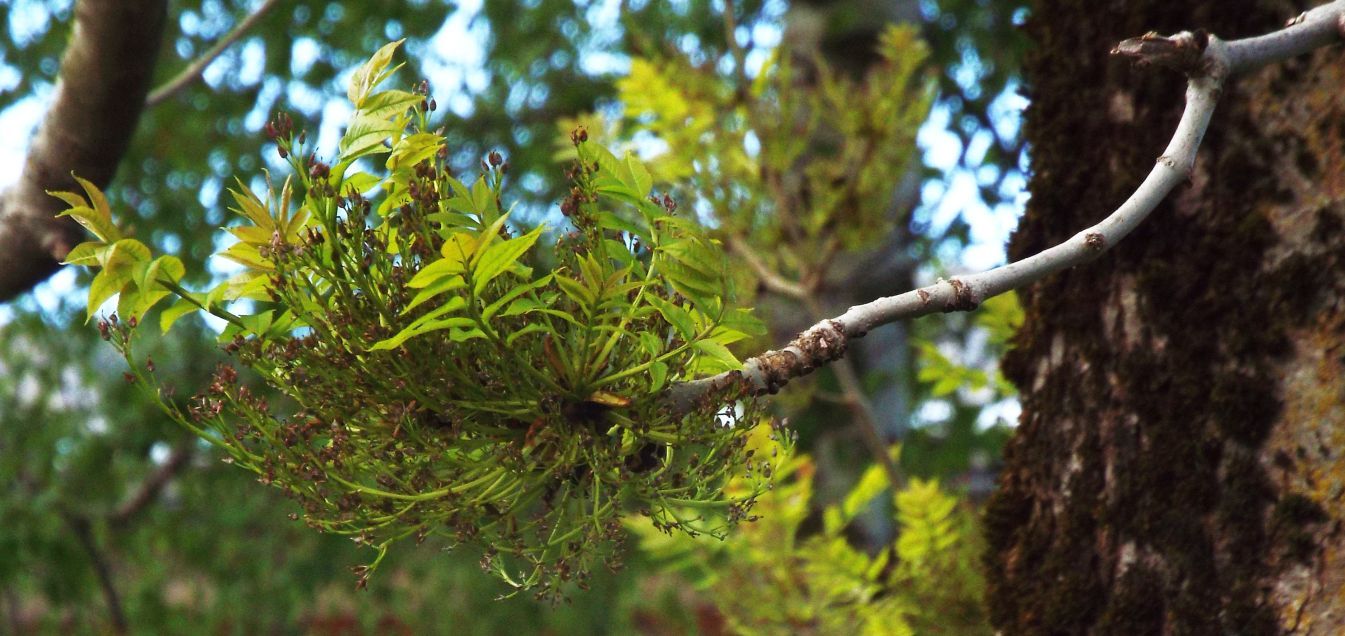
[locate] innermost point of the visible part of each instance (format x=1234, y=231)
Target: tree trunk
x=1181, y=456
x=105, y=74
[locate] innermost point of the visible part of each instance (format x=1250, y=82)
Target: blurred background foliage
x=112, y=519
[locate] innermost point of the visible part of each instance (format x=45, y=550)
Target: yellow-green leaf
x=86, y=253
x=498, y=257
x=101, y=226
x=107, y=283
x=419, y=329
x=177, y=310
x=389, y=104
x=251, y=207
x=368, y=75
x=723, y=359
x=366, y=136
x=443, y=284
x=676, y=316
x=412, y=150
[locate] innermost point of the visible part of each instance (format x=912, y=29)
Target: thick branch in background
x=1206, y=60
x=104, y=77
x=148, y=490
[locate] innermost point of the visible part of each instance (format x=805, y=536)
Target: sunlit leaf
x=498, y=257
x=368, y=75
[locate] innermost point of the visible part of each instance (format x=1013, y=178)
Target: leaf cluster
x=797, y=161
x=435, y=380
x=782, y=574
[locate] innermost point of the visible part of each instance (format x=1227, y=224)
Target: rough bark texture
x=1181, y=457
x=105, y=75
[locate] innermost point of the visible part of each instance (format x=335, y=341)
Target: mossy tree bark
x=1181, y=457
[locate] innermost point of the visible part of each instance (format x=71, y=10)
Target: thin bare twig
x=196, y=68
x=84, y=533
x=854, y=399
x=770, y=279
x=150, y=488
x=1206, y=59
x=739, y=56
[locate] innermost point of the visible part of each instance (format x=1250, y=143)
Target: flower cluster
x=431, y=377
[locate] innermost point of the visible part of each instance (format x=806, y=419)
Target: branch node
x=1095, y=242
x=964, y=297
x=1183, y=51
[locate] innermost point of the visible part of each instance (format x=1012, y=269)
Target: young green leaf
x=367, y=77
x=420, y=329
x=173, y=312
x=498, y=257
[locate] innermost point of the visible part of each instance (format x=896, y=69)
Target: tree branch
x=105, y=73
x=84, y=533
x=1207, y=60
x=150, y=488
x=772, y=281
x=196, y=68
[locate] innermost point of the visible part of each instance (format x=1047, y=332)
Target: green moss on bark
x=1146, y=431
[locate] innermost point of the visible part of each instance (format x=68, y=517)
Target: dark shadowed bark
x=104, y=77
x=1178, y=466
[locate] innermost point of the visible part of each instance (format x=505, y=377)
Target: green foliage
x=798, y=163
x=999, y=317
x=437, y=384
x=775, y=577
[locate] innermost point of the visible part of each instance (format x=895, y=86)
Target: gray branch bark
x=1206, y=60
x=105, y=74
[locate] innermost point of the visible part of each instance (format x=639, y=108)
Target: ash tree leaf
x=251, y=207
x=424, y=328
x=410, y=151
x=365, y=136
x=371, y=73
x=443, y=284
x=166, y=268
x=483, y=199
x=634, y=175
x=451, y=305
x=389, y=104
x=535, y=327
x=498, y=257
x=487, y=239
x=744, y=322
x=70, y=198
x=90, y=219
x=676, y=316
x=432, y=321
x=93, y=213
x=495, y=307
x=616, y=222
x=136, y=301
x=715, y=357
x=86, y=253
x=361, y=182
x=258, y=323
x=173, y=312
x=577, y=291
x=658, y=375
x=119, y=262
